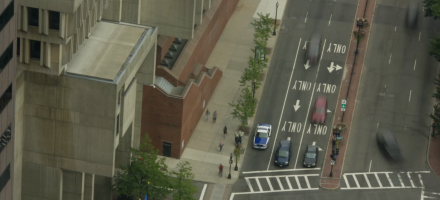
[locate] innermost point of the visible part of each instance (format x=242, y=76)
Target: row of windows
x=34, y=18
x=5, y=98
x=5, y=138
x=6, y=57
x=7, y=15
x=4, y=178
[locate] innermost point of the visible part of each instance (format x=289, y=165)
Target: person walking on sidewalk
x=214, y=116
x=220, y=146
x=220, y=170
x=225, y=131
x=207, y=114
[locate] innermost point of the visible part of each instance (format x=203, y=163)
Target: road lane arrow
x=307, y=64
x=296, y=106
x=338, y=67
x=331, y=68
x=329, y=111
x=319, y=149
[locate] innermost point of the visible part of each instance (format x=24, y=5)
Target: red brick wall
x=168, y=119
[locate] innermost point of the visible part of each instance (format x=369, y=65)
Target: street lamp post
x=230, y=166
x=275, y=21
x=236, y=161
x=332, y=162
x=253, y=89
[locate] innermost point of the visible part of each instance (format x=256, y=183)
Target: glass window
x=6, y=56
x=4, y=178
x=283, y=154
x=18, y=46
x=5, y=138
x=262, y=135
x=310, y=155
x=35, y=49
x=7, y=15
x=33, y=16
x=54, y=20
x=5, y=98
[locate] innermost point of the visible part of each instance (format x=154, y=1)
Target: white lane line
x=322, y=53
x=305, y=21
x=389, y=61
x=409, y=100
x=268, y=182
x=395, y=28
x=307, y=117
x=369, y=169
x=415, y=62
x=313, y=143
x=279, y=183
x=203, y=192
x=366, y=179
x=417, y=172
x=377, y=128
x=330, y=19
x=284, y=104
x=410, y=180
x=389, y=180
x=346, y=181
x=307, y=182
x=421, y=181
x=249, y=184
x=259, y=185
x=420, y=33
x=275, y=191
x=297, y=182
x=378, y=180
x=356, y=181
x=281, y=170
x=421, y=194
x=400, y=180
x=385, y=86
x=288, y=183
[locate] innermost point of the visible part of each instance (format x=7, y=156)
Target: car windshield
x=310, y=155
x=262, y=135
x=283, y=154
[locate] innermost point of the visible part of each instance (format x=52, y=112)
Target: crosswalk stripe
x=378, y=180
x=258, y=183
x=389, y=180
x=270, y=185
x=249, y=184
x=288, y=183
x=346, y=181
x=368, y=182
x=307, y=182
x=411, y=181
x=356, y=181
x=400, y=180
x=279, y=183
x=297, y=182
x=421, y=182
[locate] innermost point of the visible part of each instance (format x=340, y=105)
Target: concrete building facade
x=9, y=168
x=79, y=95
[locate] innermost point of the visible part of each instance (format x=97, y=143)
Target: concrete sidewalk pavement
x=231, y=55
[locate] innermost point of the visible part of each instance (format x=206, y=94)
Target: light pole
x=332, y=162
x=236, y=160
x=230, y=166
x=275, y=21
x=253, y=89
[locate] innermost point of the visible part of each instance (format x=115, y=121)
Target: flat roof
x=105, y=51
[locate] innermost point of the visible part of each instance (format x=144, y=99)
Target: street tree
x=434, y=49
x=146, y=175
x=244, y=107
x=263, y=29
x=253, y=72
x=437, y=87
x=181, y=181
x=436, y=120
x=432, y=8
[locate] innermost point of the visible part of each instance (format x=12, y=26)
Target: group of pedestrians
x=214, y=116
x=221, y=144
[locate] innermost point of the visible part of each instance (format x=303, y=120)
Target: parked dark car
x=313, y=49
x=412, y=14
x=310, y=156
x=388, y=143
x=283, y=153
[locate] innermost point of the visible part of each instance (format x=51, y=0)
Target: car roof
x=264, y=125
x=321, y=100
x=285, y=144
x=311, y=148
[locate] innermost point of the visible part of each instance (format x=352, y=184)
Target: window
x=5, y=98
x=54, y=20
x=18, y=46
x=4, y=178
x=5, y=138
x=7, y=15
x=33, y=16
x=35, y=49
x=6, y=57
x=117, y=124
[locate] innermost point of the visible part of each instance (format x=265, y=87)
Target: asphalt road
x=288, y=82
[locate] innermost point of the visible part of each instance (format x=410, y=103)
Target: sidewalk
x=231, y=55
x=434, y=154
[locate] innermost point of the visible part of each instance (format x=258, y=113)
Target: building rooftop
x=105, y=51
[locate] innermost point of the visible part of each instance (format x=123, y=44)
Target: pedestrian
x=220, y=146
x=214, y=116
x=225, y=131
x=220, y=170
x=207, y=114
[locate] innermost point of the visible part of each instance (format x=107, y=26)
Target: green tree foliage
x=432, y=8
x=437, y=87
x=263, y=28
x=183, y=187
x=436, y=118
x=253, y=72
x=434, y=50
x=147, y=174
x=244, y=107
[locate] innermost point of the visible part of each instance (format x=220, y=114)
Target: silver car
x=313, y=49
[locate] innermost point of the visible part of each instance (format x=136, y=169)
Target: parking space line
x=400, y=180
x=307, y=182
x=288, y=183
x=259, y=185
x=202, y=195
x=279, y=183
x=346, y=181
x=249, y=185
x=410, y=180
x=356, y=181
x=297, y=182
x=378, y=180
x=389, y=180
x=268, y=182
x=368, y=182
x=281, y=170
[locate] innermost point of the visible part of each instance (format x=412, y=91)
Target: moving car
x=313, y=49
x=310, y=156
x=412, y=13
x=283, y=153
x=262, y=136
x=388, y=143
x=320, y=110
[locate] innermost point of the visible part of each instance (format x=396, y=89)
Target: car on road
x=310, y=156
x=320, y=110
x=313, y=49
x=262, y=136
x=412, y=13
x=283, y=153
x=388, y=144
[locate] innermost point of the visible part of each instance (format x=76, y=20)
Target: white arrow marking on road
x=307, y=65
x=296, y=106
x=338, y=67
x=329, y=111
x=331, y=68
x=319, y=149
x=313, y=143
